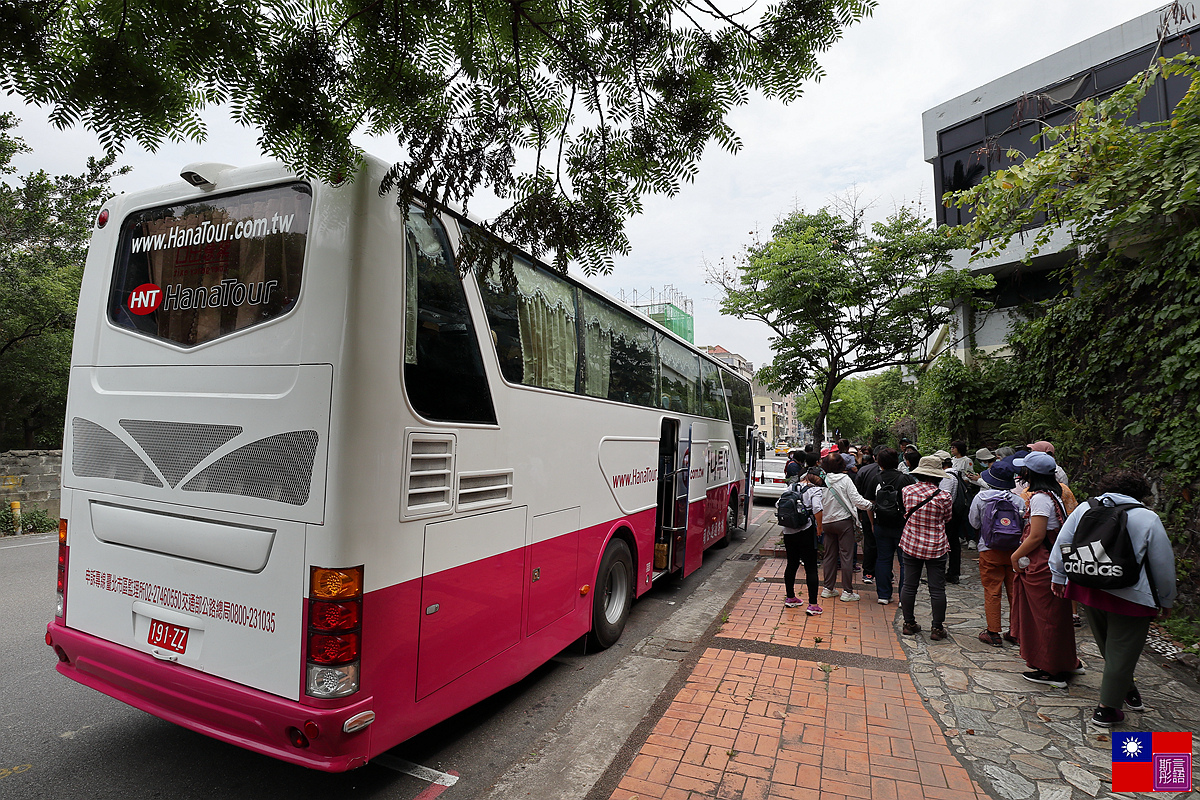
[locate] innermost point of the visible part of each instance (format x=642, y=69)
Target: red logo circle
x=144, y=299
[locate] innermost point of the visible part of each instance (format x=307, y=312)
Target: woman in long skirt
x=1040, y=620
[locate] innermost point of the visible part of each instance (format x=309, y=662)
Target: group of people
x=1016, y=509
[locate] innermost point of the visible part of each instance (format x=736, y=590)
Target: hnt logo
x=145, y=299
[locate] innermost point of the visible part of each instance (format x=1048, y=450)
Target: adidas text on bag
x=1101, y=555
x=790, y=511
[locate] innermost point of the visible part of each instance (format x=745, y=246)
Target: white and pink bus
x=321, y=492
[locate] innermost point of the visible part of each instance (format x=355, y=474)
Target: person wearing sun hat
x=923, y=544
x=987, y=515
x=1041, y=620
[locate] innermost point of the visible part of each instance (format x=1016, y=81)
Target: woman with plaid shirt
x=923, y=545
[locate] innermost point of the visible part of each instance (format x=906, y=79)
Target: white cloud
x=860, y=126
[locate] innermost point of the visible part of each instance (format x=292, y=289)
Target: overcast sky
x=859, y=127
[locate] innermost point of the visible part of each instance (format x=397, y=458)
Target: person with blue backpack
x=1113, y=555
x=998, y=513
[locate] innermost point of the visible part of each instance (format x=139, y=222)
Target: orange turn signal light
x=336, y=584
x=583, y=590
x=62, y=531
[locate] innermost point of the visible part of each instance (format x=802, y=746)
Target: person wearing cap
x=1041, y=620
x=995, y=565
x=1045, y=447
x=985, y=458
x=1120, y=618
x=923, y=544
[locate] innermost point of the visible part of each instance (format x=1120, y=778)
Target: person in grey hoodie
x=1120, y=618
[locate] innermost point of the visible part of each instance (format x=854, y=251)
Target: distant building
x=732, y=360
x=970, y=136
x=668, y=308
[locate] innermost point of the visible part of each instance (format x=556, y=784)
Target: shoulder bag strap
x=908, y=514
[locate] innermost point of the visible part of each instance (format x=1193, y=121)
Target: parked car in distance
x=768, y=478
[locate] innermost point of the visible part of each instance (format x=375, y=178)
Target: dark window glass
x=618, y=352
x=1024, y=286
x=1016, y=139
x=961, y=170
x=998, y=121
x=741, y=409
x=679, y=377
x=967, y=134
x=533, y=326
x=712, y=394
x=1118, y=73
x=194, y=272
x=443, y=370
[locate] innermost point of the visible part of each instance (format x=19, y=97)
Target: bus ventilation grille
x=276, y=468
x=177, y=447
x=483, y=490
x=430, y=467
x=97, y=452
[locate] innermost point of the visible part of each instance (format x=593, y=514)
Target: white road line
x=416, y=770
x=27, y=544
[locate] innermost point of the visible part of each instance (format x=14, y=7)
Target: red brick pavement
x=764, y=727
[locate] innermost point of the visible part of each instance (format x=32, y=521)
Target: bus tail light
x=60, y=605
x=334, y=636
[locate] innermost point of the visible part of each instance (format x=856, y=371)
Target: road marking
x=438, y=781
x=28, y=544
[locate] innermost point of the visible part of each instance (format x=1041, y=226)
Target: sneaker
x=858, y=567
x=911, y=628
x=1008, y=637
x=828, y=593
x=1080, y=669
x=1133, y=700
x=1107, y=717
x=971, y=545
x=1043, y=677
x=792, y=602
x=883, y=601
x=868, y=578
x=937, y=633
x=987, y=637
x=849, y=597
x=1076, y=620
x=813, y=611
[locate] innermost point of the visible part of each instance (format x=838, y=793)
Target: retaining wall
x=33, y=477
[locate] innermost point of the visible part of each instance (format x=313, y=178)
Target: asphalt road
x=544, y=737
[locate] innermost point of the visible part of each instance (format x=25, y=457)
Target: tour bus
x=321, y=490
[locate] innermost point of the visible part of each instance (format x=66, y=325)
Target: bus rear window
x=194, y=272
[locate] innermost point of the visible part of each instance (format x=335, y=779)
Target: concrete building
x=969, y=136
x=732, y=360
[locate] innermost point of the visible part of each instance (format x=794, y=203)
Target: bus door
x=695, y=493
x=670, y=522
x=751, y=460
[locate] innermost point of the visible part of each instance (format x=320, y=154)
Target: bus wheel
x=730, y=522
x=614, y=594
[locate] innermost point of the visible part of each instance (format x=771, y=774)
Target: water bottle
x=1023, y=562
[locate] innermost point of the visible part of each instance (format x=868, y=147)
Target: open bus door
x=751, y=460
x=670, y=523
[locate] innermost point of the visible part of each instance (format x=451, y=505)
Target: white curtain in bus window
x=540, y=349
x=680, y=377
x=194, y=272
x=618, y=354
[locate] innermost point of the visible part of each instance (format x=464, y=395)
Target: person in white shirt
x=839, y=498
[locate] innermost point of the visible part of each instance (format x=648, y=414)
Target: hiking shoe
x=849, y=597
x=1077, y=620
x=792, y=602
x=1008, y=637
x=1080, y=669
x=911, y=628
x=1041, y=676
x=937, y=633
x=813, y=610
x=868, y=578
x=828, y=593
x=954, y=580
x=1133, y=700
x=858, y=567
x=1107, y=717
x=987, y=637
x=883, y=601
x=971, y=545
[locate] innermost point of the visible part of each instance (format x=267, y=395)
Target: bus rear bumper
x=215, y=707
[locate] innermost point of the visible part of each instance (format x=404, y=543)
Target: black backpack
x=889, y=508
x=790, y=511
x=962, y=499
x=1101, y=555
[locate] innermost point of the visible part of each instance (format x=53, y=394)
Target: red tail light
x=60, y=608
x=335, y=597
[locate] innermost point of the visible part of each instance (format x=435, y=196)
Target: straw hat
x=931, y=466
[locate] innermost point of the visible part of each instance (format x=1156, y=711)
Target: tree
x=849, y=411
x=45, y=223
x=842, y=299
x=598, y=102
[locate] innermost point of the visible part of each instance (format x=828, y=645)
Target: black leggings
x=802, y=546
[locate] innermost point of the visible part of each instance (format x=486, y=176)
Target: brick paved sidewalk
x=771, y=712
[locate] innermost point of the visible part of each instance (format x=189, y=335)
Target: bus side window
x=443, y=369
x=618, y=352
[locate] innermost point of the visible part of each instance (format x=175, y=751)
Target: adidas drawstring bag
x=1102, y=555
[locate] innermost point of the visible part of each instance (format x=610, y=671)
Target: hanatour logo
x=176, y=297
x=1091, y=559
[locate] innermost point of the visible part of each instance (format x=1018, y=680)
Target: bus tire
x=613, y=595
x=730, y=521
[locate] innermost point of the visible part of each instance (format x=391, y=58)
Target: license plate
x=164, y=634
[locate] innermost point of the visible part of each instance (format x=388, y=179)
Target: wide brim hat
x=983, y=454
x=931, y=466
x=992, y=476
x=942, y=454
